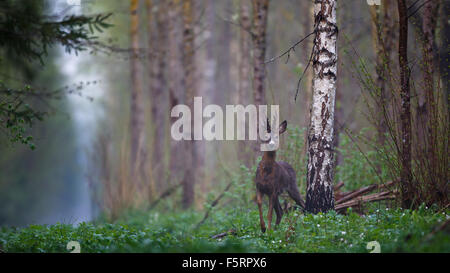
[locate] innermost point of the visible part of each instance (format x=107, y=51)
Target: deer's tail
x=295, y=194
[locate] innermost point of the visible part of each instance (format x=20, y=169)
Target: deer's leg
x=259, y=202
x=278, y=210
x=269, y=214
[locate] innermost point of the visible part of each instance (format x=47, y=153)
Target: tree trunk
x=136, y=110
x=259, y=25
x=319, y=196
x=309, y=12
x=260, y=10
x=174, y=84
x=407, y=186
x=190, y=158
x=430, y=106
x=244, y=71
x=157, y=62
x=380, y=99
x=388, y=38
x=444, y=63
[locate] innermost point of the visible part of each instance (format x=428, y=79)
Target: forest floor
x=395, y=230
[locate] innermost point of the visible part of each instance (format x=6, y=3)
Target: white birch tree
x=319, y=196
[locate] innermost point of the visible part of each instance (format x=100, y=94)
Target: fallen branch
x=346, y=196
x=357, y=193
x=365, y=199
x=444, y=226
x=338, y=186
x=213, y=204
x=221, y=235
x=165, y=194
x=340, y=195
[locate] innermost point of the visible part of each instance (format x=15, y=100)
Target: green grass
x=396, y=231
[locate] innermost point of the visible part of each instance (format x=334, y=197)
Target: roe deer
x=272, y=178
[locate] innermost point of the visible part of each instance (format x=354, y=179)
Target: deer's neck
x=269, y=157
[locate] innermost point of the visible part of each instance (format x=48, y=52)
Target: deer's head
x=272, y=142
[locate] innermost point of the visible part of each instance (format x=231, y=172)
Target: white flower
x=318, y=225
x=343, y=232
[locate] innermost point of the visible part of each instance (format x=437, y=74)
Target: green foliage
x=396, y=231
x=27, y=34
x=360, y=166
x=293, y=152
x=30, y=34
x=16, y=116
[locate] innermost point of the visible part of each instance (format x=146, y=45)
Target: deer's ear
x=283, y=127
x=268, y=126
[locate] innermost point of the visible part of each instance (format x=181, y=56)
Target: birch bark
x=319, y=196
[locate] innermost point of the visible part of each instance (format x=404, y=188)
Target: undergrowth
x=396, y=230
x=167, y=229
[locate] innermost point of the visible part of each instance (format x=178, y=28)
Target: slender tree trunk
x=223, y=88
x=157, y=62
x=208, y=88
x=320, y=173
x=244, y=70
x=407, y=186
x=260, y=12
x=388, y=38
x=444, y=53
x=175, y=71
x=380, y=80
x=151, y=38
x=430, y=107
x=309, y=13
x=136, y=110
x=259, y=25
x=189, y=72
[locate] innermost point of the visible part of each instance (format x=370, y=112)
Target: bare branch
x=288, y=51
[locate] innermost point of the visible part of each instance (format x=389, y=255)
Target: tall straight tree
x=189, y=84
x=157, y=62
x=431, y=105
x=175, y=70
x=307, y=9
x=260, y=12
x=244, y=69
x=407, y=185
x=136, y=110
x=319, y=195
x=377, y=41
x=259, y=25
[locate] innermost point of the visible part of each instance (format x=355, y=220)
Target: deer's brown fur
x=272, y=178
